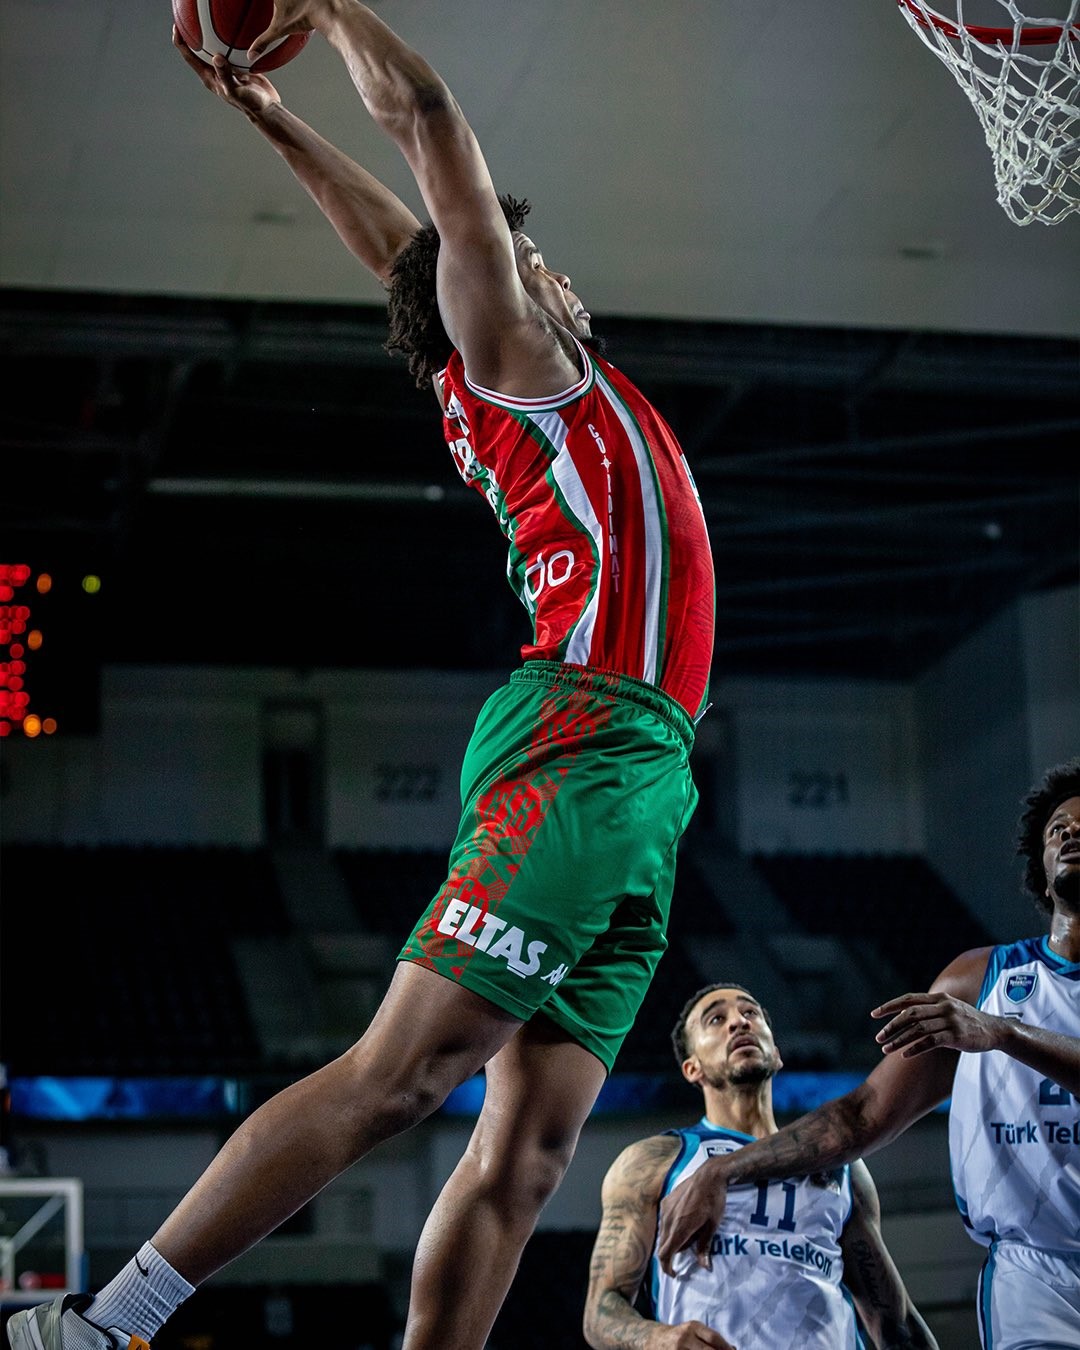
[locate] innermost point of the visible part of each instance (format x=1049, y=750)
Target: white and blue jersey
x=776, y=1261
x=1014, y=1135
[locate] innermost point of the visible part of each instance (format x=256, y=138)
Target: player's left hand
x=922, y=1022
x=252, y=94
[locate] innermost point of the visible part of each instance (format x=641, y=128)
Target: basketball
x=228, y=27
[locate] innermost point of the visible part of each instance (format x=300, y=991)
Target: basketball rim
x=1032, y=36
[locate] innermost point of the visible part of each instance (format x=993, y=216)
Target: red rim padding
x=1029, y=37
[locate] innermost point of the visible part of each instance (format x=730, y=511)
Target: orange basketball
x=228, y=27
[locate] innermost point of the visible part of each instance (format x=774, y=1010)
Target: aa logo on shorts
x=1019, y=988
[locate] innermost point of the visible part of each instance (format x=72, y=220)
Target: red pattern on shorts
x=508, y=817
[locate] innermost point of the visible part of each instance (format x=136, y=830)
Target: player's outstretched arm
x=944, y=1018
x=893, y=1097
x=621, y=1253
x=504, y=337
x=372, y=222
x=871, y=1276
x=898, y=1092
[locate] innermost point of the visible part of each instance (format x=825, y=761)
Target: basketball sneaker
x=43, y=1327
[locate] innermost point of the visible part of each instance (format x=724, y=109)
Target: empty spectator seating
x=897, y=902
x=390, y=888
x=143, y=981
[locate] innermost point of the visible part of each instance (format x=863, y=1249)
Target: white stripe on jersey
x=531, y=405
x=654, y=553
x=564, y=470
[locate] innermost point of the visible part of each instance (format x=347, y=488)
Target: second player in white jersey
x=1014, y=1134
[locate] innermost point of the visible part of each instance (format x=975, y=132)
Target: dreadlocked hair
x=416, y=329
x=1057, y=786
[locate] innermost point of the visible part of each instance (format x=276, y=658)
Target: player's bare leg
x=428, y=1036
x=540, y=1089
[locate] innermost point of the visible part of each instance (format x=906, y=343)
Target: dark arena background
x=248, y=611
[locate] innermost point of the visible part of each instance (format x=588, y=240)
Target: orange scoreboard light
x=49, y=673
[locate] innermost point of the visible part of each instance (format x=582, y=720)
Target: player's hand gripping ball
x=228, y=28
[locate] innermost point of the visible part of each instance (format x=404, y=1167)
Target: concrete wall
x=937, y=766
x=991, y=718
x=178, y=759
x=824, y=766
x=1050, y=637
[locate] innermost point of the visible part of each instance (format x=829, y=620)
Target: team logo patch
x=1019, y=988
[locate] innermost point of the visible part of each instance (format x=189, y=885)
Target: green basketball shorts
x=575, y=790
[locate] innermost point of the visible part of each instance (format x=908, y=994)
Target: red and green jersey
x=608, y=547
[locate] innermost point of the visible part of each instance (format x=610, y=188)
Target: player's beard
x=596, y=345
x=750, y=1075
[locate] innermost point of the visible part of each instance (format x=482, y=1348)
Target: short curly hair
x=680, y=1040
x=1057, y=786
x=416, y=328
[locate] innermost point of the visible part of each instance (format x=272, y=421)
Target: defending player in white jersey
x=789, y=1257
x=999, y=1033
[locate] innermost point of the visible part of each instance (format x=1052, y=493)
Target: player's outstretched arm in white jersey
x=907, y=1085
x=940, y=1020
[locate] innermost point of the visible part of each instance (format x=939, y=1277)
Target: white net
x=1023, y=80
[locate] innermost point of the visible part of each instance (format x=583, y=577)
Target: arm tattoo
x=624, y=1245
x=872, y=1278
x=620, y=1325
x=827, y=1137
x=895, y=1327
x=869, y=1271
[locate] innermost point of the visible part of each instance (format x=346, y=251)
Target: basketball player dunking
x=533, y=958
x=999, y=1033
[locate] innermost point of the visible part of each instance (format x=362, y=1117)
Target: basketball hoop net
x=1023, y=80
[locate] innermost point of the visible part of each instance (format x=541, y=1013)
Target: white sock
x=140, y=1300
